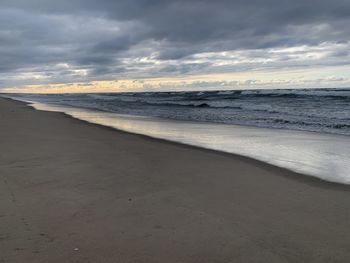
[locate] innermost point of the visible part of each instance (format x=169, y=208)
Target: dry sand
x=76, y=192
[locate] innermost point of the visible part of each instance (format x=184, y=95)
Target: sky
x=162, y=45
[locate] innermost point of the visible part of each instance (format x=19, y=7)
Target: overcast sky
x=102, y=45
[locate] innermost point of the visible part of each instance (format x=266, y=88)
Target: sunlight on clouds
x=143, y=70
x=291, y=78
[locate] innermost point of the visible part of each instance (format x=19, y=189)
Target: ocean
x=304, y=130
x=320, y=110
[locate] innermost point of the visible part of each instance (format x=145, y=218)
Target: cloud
x=108, y=39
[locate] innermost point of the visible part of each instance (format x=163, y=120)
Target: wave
x=202, y=98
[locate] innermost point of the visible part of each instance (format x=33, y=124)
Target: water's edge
x=117, y=122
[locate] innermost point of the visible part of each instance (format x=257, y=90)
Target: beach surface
x=71, y=191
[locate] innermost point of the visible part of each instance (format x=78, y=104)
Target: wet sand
x=71, y=191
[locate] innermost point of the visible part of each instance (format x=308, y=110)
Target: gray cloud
x=65, y=41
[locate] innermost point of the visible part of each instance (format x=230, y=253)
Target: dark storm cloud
x=104, y=37
x=196, y=20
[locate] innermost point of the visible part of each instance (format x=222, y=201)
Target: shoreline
x=297, y=175
x=62, y=178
